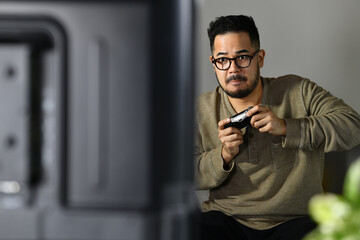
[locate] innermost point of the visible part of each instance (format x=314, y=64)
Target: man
x=261, y=178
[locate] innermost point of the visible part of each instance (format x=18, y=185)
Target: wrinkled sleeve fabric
x=209, y=169
x=330, y=124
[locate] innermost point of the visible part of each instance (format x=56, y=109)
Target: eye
x=243, y=57
x=222, y=60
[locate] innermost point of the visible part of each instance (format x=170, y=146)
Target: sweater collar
x=230, y=108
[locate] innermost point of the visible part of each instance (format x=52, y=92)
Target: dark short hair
x=233, y=23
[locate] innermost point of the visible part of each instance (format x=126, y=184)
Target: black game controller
x=239, y=120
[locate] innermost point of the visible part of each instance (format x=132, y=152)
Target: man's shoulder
x=209, y=98
x=284, y=84
x=285, y=79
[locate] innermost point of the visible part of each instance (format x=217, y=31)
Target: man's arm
x=213, y=167
x=331, y=125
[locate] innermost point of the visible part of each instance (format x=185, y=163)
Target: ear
x=261, y=56
x=211, y=59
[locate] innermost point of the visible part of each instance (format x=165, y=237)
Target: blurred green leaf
x=352, y=183
x=338, y=217
x=329, y=210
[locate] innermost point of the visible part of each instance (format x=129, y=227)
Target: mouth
x=236, y=79
x=237, y=83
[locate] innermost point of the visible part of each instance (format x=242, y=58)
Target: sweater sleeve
x=209, y=169
x=330, y=124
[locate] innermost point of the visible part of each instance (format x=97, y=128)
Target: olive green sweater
x=272, y=178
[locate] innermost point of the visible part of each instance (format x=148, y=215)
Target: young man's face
x=237, y=82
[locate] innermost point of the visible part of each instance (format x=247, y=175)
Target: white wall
x=318, y=39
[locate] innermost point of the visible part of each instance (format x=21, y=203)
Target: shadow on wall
x=336, y=165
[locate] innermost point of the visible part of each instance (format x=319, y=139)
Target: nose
x=233, y=67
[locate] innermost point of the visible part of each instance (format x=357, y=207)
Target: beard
x=241, y=93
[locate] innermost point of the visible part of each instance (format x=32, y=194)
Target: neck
x=254, y=98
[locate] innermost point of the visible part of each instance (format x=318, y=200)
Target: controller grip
x=239, y=120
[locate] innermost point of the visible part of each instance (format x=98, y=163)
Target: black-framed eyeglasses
x=242, y=61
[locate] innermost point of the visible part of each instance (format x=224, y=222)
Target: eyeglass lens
x=241, y=61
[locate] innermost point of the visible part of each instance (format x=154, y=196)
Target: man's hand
x=230, y=138
x=266, y=121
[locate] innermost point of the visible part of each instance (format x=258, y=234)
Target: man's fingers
x=231, y=137
x=252, y=111
x=261, y=120
x=230, y=132
x=222, y=123
x=233, y=144
x=256, y=109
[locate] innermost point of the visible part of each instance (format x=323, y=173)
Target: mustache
x=236, y=77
